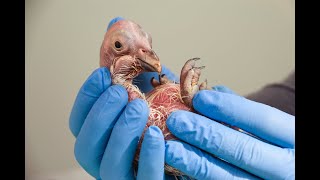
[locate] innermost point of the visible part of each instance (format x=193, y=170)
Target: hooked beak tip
x=151, y=65
x=158, y=68
x=149, y=60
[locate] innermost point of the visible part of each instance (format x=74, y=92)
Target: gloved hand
x=220, y=152
x=107, y=131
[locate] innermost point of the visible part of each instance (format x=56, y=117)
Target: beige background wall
x=243, y=44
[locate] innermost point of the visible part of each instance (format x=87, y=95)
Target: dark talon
x=195, y=59
x=154, y=82
x=201, y=67
x=160, y=76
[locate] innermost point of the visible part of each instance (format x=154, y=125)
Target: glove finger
x=120, y=151
x=223, y=89
x=259, y=119
x=114, y=20
x=88, y=94
x=151, y=161
x=143, y=81
x=200, y=165
x=244, y=151
x=95, y=132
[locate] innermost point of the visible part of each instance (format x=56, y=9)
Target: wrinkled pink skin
x=162, y=98
x=136, y=56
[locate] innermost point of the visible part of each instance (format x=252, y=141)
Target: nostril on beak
x=143, y=51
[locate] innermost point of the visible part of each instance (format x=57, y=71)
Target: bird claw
x=189, y=79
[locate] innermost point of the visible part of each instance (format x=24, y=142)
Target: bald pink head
x=125, y=38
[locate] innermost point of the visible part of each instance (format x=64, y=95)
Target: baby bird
x=127, y=51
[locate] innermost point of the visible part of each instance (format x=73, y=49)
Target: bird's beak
x=149, y=60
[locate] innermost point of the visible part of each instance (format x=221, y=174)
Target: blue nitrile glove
x=108, y=129
x=270, y=156
x=143, y=81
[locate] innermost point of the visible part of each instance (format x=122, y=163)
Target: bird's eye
x=118, y=45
